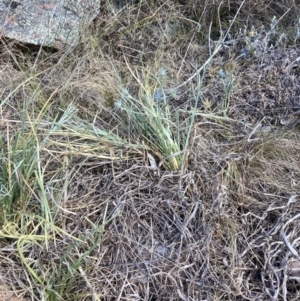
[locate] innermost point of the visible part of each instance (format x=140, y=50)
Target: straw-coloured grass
x=158, y=159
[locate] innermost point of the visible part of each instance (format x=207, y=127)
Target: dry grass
x=156, y=160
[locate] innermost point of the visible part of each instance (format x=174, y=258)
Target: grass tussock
x=158, y=159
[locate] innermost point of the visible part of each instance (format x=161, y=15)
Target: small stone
x=47, y=23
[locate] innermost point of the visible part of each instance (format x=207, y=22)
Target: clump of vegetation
x=157, y=159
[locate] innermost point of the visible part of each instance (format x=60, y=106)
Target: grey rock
x=52, y=23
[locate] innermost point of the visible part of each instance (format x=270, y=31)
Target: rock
x=48, y=23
